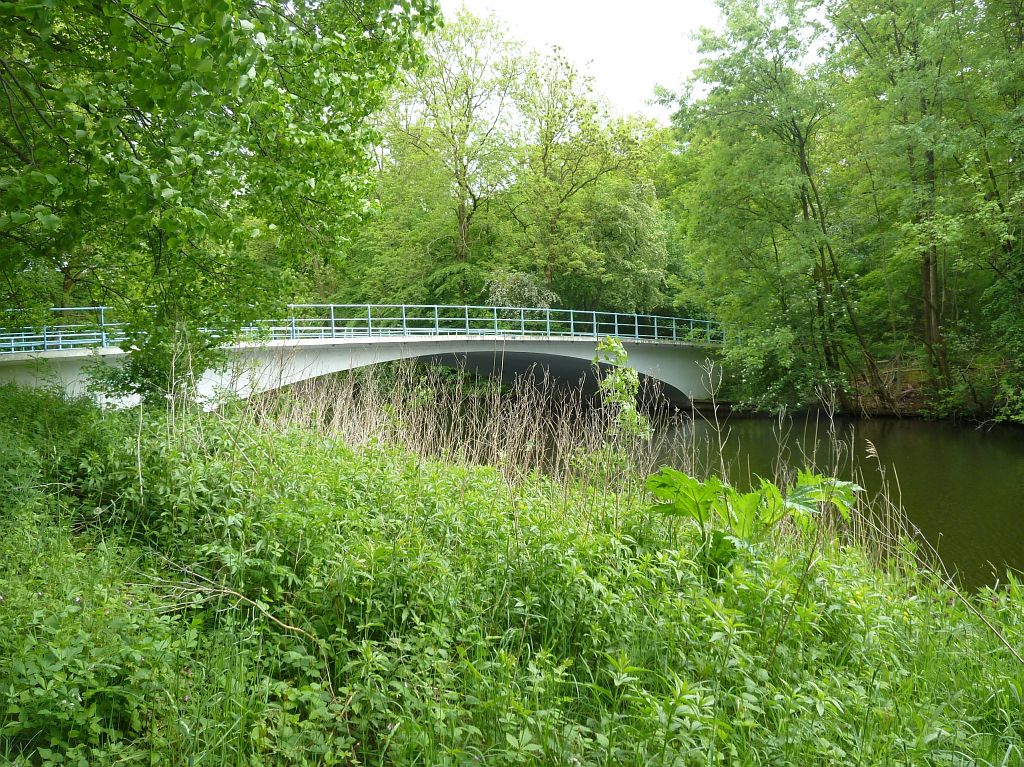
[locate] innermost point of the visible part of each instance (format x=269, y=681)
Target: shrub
x=201, y=588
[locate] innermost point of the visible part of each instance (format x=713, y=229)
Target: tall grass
x=396, y=571
x=539, y=425
x=534, y=424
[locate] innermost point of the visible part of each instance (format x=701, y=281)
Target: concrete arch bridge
x=319, y=339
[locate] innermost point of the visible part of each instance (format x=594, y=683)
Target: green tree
x=498, y=163
x=938, y=85
x=757, y=214
x=406, y=243
x=847, y=189
x=456, y=115
x=624, y=232
x=141, y=141
x=571, y=150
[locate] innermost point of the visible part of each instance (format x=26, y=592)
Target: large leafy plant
x=726, y=516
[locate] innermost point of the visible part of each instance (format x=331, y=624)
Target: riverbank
x=914, y=398
x=293, y=585
x=920, y=409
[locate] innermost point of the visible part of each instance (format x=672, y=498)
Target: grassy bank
x=274, y=587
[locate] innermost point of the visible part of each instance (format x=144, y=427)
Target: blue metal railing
x=90, y=326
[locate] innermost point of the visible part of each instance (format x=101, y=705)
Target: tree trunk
x=814, y=207
x=931, y=283
x=462, y=214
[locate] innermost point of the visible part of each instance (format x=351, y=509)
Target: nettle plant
x=624, y=428
x=619, y=386
x=727, y=518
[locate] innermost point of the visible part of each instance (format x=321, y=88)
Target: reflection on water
x=963, y=487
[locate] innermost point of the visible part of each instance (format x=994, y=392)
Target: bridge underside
x=677, y=370
x=572, y=372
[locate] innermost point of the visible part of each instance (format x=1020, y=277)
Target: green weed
x=214, y=589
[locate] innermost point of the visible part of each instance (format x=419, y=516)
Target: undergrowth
x=231, y=588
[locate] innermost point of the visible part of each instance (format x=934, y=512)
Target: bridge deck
x=97, y=327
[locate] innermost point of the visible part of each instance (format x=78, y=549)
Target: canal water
x=962, y=487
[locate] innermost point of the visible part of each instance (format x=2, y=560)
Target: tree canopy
x=183, y=157
x=498, y=162
x=847, y=195
x=841, y=185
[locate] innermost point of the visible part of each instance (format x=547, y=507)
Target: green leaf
x=720, y=551
x=812, y=491
x=49, y=221
x=686, y=497
x=744, y=513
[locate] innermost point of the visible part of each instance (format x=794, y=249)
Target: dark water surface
x=963, y=487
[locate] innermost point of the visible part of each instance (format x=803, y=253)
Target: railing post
x=103, y=327
x=655, y=318
x=405, y=325
x=572, y=322
x=615, y=322
x=522, y=322
x=334, y=331
x=673, y=328
x=547, y=320
x=437, y=322
x=369, y=320
x=636, y=326
x=594, y=318
x=293, y=325
x=495, y=310
x=465, y=310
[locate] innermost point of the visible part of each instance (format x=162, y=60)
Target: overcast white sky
x=629, y=47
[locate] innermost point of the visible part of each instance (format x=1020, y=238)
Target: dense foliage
x=193, y=589
x=842, y=186
x=185, y=159
x=502, y=167
x=848, y=196
x=843, y=190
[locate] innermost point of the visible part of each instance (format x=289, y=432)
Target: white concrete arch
x=258, y=367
